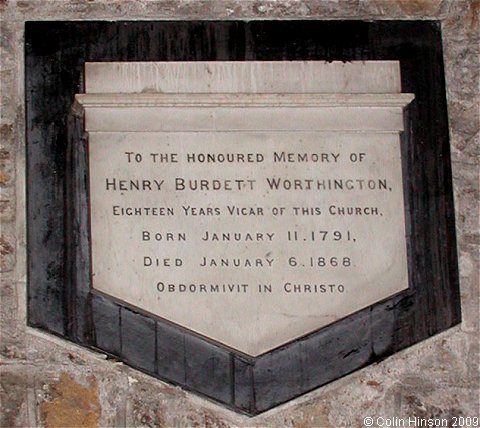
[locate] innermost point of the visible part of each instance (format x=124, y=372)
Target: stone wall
x=45, y=381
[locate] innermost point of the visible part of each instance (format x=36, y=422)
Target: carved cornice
x=240, y=100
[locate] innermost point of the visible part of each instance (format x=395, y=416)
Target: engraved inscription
x=275, y=234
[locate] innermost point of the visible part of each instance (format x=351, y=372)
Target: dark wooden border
x=60, y=299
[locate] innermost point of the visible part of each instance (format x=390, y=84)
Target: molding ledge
x=290, y=100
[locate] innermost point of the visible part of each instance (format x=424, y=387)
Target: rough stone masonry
x=49, y=382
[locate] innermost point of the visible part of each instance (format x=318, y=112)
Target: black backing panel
x=60, y=299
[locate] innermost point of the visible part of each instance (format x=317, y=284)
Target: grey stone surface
x=45, y=381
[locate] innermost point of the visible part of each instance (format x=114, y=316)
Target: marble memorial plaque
x=246, y=230
x=250, y=221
